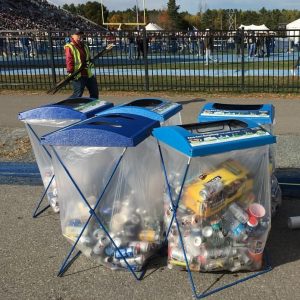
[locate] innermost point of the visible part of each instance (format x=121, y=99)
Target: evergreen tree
x=177, y=20
x=91, y=10
x=173, y=10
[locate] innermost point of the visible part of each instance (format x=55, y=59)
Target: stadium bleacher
x=40, y=15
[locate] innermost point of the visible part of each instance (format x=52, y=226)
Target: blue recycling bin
x=49, y=118
x=217, y=201
x=110, y=184
x=263, y=114
x=162, y=110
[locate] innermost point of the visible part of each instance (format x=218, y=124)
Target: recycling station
x=130, y=182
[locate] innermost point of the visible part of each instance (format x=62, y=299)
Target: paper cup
x=256, y=211
x=256, y=258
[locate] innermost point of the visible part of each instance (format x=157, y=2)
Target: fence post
x=52, y=62
x=145, y=56
x=243, y=60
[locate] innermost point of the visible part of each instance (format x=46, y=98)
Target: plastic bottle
x=192, y=245
x=217, y=239
x=238, y=213
x=233, y=227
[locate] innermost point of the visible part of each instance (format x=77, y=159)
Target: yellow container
x=214, y=191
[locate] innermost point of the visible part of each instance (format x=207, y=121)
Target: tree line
x=170, y=18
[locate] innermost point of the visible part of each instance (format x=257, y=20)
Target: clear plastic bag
x=130, y=207
x=42, y=153
x=174, y=120
x=224, y=210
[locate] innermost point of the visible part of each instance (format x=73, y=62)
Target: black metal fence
x=184, y=61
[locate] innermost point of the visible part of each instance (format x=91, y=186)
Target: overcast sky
x=193, y=6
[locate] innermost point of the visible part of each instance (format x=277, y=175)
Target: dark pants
x=239, y=49
x=81, y=83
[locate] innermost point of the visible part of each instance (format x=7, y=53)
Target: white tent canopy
x=294, y=25
x=255, y=27
x=293, y=31
x=153, y=27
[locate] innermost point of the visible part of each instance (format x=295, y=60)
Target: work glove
x=90, y=64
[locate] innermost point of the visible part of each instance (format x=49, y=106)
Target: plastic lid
x=203, y=139
x=72, y=108
x=207, y=231
x=153, y=108
x=260, y=113
x=252, y=222
x=113, y=130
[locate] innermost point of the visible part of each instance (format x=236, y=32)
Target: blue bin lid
x=203, y=139
x=113, y=130
x=73, y=108
x=153, y=108
x=260, y=113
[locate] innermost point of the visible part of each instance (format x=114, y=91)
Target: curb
x=288, y=178
x=289, y=181
x=15, y=169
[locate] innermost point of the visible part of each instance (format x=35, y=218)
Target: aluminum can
x=236, y=266
x=214, y=264
x=126, y=252
x=140, y=247
x=177, y=254
x=219, y=252
x=212, y=187
x=109, y=251
x=138, y=260
x=148, y=236
x=98, y=249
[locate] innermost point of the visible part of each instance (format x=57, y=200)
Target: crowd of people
x=40, y=15
x=259, y=44
x=206, y=43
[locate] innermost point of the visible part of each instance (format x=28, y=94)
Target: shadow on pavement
x=195, y=100
x=283, y=243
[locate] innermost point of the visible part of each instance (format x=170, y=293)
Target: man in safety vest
x=78, y=53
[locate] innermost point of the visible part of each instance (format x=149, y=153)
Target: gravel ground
x=15, y=145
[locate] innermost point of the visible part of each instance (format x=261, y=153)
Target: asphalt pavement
x=32, y=250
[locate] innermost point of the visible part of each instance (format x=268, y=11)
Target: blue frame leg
x=36, y=213
x=67, y=262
